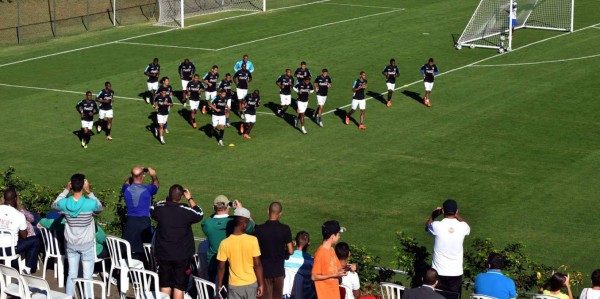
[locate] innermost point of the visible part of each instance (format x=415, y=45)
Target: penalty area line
x=538, y=62
x=366, y=6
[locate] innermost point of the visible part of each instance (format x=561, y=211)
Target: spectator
x=427, y=290
x=217, y=228
x=493, y=283
x=555, y=284
x=14, y=221
x=351, y=280
x=174, y=243
x=138, y=199
x=243, y=254
x=449, y=234
x=275, y=241
x=80, y=228
x=298, y=266
x=56, y=222
x=327, y=269
x=594, y=291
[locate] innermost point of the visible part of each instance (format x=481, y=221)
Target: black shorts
x=173, y=274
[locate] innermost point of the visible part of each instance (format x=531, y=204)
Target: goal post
x=173, y=13
x=494, y=22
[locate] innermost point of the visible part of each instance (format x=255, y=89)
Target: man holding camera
x=217, y=228
x=138, y=199
x=174, y=243
x=449, y=234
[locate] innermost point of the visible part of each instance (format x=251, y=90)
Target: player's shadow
x=208, y=131
x=179, y=95
x=153, y=126
x=413, y=95
x=378, y=96
x=343, y=113
x=272, y=106
x=144, y=95
x=79, y=135
x=185, y=114
x=236, y=126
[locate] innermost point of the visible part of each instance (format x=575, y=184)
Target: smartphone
x=145, y=169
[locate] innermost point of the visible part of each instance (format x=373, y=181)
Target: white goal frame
x=182, y=11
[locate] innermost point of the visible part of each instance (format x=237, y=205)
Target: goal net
x=494, y=21
x=174, y=12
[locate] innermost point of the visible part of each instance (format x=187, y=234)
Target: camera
x=231, y=204
x=145, y=169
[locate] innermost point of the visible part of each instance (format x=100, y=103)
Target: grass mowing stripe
x=367, y=6
x=166, y=46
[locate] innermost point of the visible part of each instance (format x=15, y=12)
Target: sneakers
x=389, y=103
x=113, y=280
x=184, y=104
x=347, y=120
x=247, y=136
x=362, y=127
x=162, y=140
x=227, y=125
x=108, y=138
x=221, y=143
x=155, y=132
x=279, y=112
x=295, y=122
x=194, y=125
x=166, y=131
x=147, y=100
x=242, y=128
x=303, y=131
x=85, y=145
x=426, y=102
x=242, y=116
x=321, y=123
x=203, y=109
x=99, y=129
x=82, y=142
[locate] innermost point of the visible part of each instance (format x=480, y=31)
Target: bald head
x=137, y=174
x=275, y=208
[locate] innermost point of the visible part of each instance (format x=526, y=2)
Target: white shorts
x=105, y=114
x=286, y=99
x=152, y=85
x=162, y=119
x=210, y=95
x=87, y=124
x=194, y=105
x=218, y=120
x=250, y=118
x=428, y=86
x=321, y=100
x=302, y=106
x=241, y=93
x=184, y=84
x=361, y=104
x=391, y=86
x=229, y=103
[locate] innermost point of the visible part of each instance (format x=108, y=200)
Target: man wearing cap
x=275, y=240
x=327, y=269
x=243, y=254
x=217, y=228
x=138, y=199
x=449, y=234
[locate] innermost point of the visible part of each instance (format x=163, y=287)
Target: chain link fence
x=29, y=21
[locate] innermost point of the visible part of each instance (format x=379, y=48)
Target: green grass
x=517, y=146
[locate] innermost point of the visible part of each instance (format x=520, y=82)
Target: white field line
x=148, y=34
x=165, y=46
x=595, y=27
x=367, y=6
x=537, y=62
x=305, y=29
x=471, y=64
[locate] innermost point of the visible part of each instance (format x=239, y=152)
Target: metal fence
x=28, y=21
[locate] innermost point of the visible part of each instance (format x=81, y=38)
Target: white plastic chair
x=8, y=254
x=205, y=288
x=52, y=250
x=541, y=296
x=86, y=288
x=101, y=260
x=7, y=286
x=150, y=256
x=145, y=284
x=38, y=288
x=120, y=258
x=391, y=290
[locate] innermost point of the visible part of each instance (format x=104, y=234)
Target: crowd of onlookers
x=250, y=260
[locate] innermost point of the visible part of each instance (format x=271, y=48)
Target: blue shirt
x=494, y=283
x=249, y=66
x=138, y=199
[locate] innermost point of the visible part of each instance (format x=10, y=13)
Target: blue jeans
x=87, y=257
x=31, y=248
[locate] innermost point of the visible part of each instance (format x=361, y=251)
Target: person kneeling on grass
x=250, y=102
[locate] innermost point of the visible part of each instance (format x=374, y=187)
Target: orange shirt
x=326, y=262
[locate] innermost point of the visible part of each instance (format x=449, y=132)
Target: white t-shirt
x=448, y=245
x=13, y=220
x=351, y=280
x=589, y=293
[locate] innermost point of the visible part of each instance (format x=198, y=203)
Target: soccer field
x=514, y=138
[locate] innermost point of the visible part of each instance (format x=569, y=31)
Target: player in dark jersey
x=164, y=85
x=219, y=107
x=86, y=109
x=285, y=83
x=193, y=90
x=429, y=71
x=251, y=102
x=210, y=80
x=304, y=89
x=225, y=84
x=106, y=98
x=391, y=72
x=162, y=103
x=186, y=71
x=152, y=72
x=302, y=72
x=358, y=99
x=242, y=78
x=322, y=85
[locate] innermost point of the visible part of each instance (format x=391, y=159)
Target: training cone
x=231, y=144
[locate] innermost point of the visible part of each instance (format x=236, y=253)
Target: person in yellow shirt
x=555, y=284
x=243, y=254
x=327, y=269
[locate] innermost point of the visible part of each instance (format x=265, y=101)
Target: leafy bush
x=411, y=258
x=369, y=273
